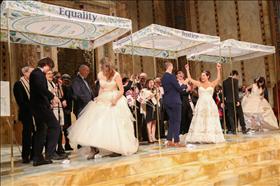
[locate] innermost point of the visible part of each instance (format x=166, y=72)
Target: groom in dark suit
x=172, y=103
x=82, y=93
x=232, y=100
x=47, y=127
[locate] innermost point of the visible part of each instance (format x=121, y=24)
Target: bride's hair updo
x=207, y=73
x=107, y=68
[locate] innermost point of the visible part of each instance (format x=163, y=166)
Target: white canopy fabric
x=236, y=50
x=33, y=22
x=161, y=41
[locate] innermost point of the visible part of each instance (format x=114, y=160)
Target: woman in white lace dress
x=106, y=122
x=205, y=126
x=258, y=113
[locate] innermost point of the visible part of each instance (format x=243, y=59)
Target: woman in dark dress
x=148, y=107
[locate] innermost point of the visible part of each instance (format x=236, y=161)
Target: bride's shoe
x=154, y=139
x=170, y=144
x=179, y=145
x=94, y=151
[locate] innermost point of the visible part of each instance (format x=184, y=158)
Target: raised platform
x=243, y=160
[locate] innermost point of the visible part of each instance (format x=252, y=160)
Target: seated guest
x=22, y=95
x=57, y=109
x=148, y=108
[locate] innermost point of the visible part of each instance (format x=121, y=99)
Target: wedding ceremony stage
x=251, y=160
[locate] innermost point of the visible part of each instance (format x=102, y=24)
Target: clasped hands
x=55, y=100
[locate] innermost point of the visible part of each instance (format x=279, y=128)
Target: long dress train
x=258, y=113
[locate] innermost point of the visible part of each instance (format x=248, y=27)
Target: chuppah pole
x=233, y=93
x=157, y=91
x=135, y=99
x=10, y=87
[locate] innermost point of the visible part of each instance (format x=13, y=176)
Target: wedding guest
x=186, y=115
x=162, y=111
x=47, y=126
x=232, y=103
x=142, y=81
x=22, y=95
x=218, y=98
x=67, y=109
x=140, y=117
x=128, y=83
x=148, y=108
x=57, y=108
x=82, y=93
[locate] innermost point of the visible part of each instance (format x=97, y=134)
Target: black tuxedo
x=82, y=94
x=25, y=116
x=229, y=104
x=187, y=112
x=47, y=126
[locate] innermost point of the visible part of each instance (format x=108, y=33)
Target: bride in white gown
x=106, y=122
x=258, y=113
x=205, y=126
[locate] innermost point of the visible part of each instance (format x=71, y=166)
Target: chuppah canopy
x=162, y=42
x=236, y=50
x=32, y=22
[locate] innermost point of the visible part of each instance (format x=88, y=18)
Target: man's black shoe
x=68, y=147
x=25, y=161
x=114, y=155
x=245, y=131
x=61, y=152
x=229, y=132
x=41, y=162
x=55, y=156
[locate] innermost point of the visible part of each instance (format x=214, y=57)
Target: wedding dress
x=205, y=126
x=258, y=113
x=105, y=126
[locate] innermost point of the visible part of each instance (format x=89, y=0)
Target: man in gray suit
x=82, y=93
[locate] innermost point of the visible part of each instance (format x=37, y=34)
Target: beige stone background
x=251, y=20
